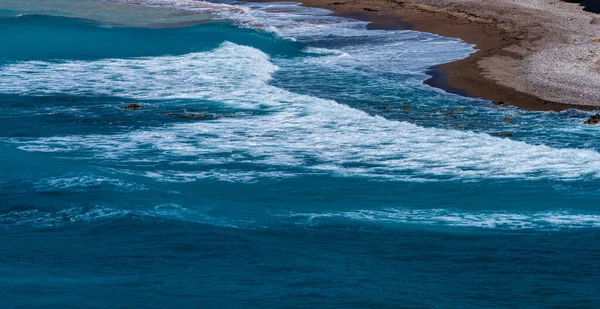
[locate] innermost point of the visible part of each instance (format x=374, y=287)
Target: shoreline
x=493, y=72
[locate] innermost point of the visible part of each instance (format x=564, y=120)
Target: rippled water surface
x=280, y=157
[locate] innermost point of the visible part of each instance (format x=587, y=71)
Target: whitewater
x=280, y=157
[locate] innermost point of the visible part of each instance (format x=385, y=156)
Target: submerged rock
x=194, y=116
x=593, y=120
x=132, y=106
x=508, y=119
x=406, y=107
x=448, y=114
x=504, y=134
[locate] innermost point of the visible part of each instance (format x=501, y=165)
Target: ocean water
x=281, y=158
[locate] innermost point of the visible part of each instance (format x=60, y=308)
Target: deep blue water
x=282, y=158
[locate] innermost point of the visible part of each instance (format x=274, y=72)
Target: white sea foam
x=221, y=175
x=376, y=48
x=549, y=220
x=325, y=51
x=311, y=135
x=296, y=130
x=60, y=217
x=197, y=75
x=41, y=218
x=85, y=181
x=191, y=5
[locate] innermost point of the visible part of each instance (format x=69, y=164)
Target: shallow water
x=281, y=158
x=109, y=13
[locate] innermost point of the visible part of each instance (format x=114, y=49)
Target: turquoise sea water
x=282, y=158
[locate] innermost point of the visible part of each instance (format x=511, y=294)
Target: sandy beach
x=533, y=54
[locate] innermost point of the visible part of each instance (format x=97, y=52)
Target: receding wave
x=550, y=220
x=42, y=218
x=194, y=5
x=545, y=220
x=85, y=181
x=223, y=175
x=49, y=218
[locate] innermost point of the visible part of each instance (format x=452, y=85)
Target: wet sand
x=508, y=38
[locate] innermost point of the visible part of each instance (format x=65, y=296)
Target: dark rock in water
x=448, y=114
x=504, y=134
x=507, y=119
x=132, y=106
x=593, y=120
x=186, y=115
x=499, y=103
x=194, y=116
x=405, y=107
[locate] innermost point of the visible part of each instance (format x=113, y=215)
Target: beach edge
x=466, y=76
